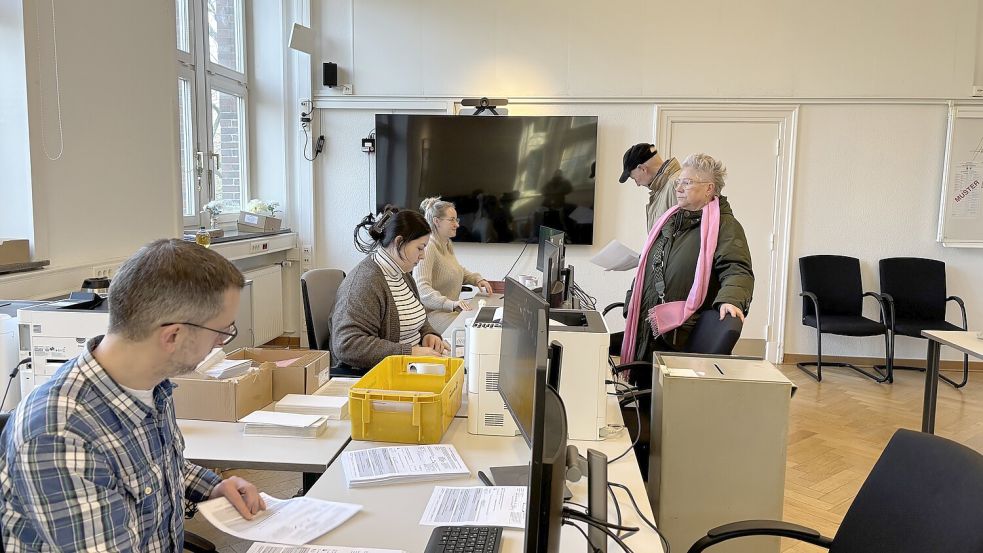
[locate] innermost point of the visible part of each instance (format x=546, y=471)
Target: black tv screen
x=507, y=175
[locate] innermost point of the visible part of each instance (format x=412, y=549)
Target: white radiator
x=267, y=303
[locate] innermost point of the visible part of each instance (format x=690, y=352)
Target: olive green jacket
x=731, y=278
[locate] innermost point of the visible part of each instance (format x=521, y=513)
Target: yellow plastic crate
x=391, y=404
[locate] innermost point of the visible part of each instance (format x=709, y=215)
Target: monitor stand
x=518, y=475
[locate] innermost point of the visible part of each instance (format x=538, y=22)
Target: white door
x=751, y=148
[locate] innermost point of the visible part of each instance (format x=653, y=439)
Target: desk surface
x=391, y=513
x=222, y=444
x=963, y=340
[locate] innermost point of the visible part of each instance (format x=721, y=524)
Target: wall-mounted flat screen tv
x=507, y=175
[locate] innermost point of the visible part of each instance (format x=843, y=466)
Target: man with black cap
x=646, y=167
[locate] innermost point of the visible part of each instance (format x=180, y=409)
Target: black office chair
x=192, y=542
x=832, y=303
x=319, y=289
x=903, y=506
x=915, y=291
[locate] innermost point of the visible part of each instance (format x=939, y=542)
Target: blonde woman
x=439, y=276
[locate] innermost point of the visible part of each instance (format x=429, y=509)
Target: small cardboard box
x=227, y=400
x=256, y=222
x=302, y=375
x=14, y=251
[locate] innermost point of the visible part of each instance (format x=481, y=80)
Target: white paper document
x=616, y=257
x=290, y=521
x=486, y=505
x=365, y=467
x=275, y=548
x=281, y=419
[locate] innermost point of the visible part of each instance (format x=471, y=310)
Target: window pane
x=227, y=133
x=185, y=116
x=183, y=26
x=224, y=33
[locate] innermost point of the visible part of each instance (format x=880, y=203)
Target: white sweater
x=439, y=276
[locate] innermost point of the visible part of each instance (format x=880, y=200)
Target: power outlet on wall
x=977, y=91
x=104, y=271
x=306, y=257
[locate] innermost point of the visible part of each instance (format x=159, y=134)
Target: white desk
x=962, y=340
x=391, y=513
x=222, y=444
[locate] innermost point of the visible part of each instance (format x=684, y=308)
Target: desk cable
x=638, y=413
x=665, y=542
x=13, y=375
x=524, y=246
x=570, y=516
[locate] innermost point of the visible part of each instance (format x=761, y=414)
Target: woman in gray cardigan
x=378, y=312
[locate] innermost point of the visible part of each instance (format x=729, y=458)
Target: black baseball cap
x=635, y=156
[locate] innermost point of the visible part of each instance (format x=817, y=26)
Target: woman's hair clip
x=383, y=220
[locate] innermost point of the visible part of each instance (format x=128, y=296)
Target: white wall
x=115, y=186
x=715, y=48
x=868, y=169
x=15, y=154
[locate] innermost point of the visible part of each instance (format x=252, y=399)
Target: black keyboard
x=465, y=539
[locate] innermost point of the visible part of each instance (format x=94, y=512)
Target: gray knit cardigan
x=365, y=321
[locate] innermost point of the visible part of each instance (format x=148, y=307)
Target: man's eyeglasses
x=688, y=183
x=230, y=334
x=450, y=219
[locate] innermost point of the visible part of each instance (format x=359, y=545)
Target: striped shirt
x=88, y=467
x=412, y=315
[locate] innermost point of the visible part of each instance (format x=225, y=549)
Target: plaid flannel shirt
x=88, y=467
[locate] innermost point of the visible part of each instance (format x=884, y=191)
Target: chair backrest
x=714, y=336
x=835, y=279
x=922, y=495
x=319, y=288
x=917, y=286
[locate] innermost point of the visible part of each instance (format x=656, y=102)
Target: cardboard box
x=228, y=400
x=256, y=222
x=302, y=376
x=14, y=251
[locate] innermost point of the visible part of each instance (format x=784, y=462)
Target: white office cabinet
x=267, y=303
x=244, y=321
x=718, y=448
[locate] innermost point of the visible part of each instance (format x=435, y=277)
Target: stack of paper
x=483, y=505
x=338, y=386
x=331, y=407
x=287, y=425
x=379, y=465
x=290, y=521
x=277, y=548
x=216, y=365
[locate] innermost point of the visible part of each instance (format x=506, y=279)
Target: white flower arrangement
x=212, y=208
x=263, y=207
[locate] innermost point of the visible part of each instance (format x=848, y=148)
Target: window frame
x=205, y=75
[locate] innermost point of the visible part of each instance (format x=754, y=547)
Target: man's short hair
x=169, y=281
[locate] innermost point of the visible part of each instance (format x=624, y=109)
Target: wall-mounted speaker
x=330, y=72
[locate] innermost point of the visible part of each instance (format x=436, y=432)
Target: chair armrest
x=760, y=528
x=962, y=309
x=618, y=369
x=882, y=304
x=612, y=306
x=197, y=544
x=815, y=306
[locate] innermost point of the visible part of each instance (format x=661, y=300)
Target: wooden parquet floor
x=839, y=427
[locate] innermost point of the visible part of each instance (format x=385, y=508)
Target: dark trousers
x=642, y=379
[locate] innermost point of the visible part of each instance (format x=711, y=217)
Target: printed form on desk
x=378, y=465
x=275, y=548
x=483, y=505
x=291, y=521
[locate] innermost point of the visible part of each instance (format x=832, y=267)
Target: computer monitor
x=524, y=372
x=547, y=234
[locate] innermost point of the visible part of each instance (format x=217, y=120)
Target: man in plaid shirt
x=93, y=459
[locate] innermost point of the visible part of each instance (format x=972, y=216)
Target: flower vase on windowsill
x=213, y=209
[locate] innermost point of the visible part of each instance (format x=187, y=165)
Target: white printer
x=52, y=333
x=584, y=367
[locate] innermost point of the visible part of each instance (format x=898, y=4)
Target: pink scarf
x=671, y=315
